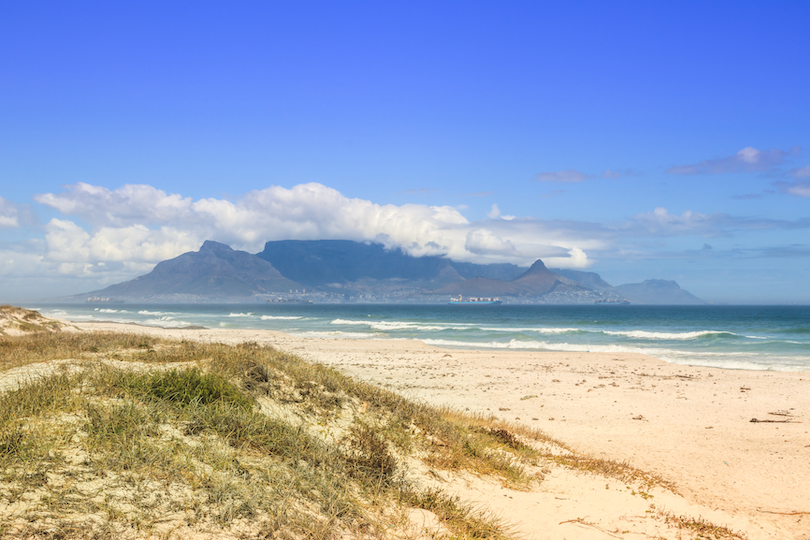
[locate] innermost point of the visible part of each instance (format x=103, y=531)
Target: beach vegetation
x=125, y=435
x=137, y=436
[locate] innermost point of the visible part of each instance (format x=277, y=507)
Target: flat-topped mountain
x=323, y=262
x=657, y=291
x=214, y=272
x=341, y=270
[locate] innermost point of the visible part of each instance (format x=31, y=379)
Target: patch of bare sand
x=15, y=321
x=691, y=425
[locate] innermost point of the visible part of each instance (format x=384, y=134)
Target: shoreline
x=765, y=338
x=690, y=425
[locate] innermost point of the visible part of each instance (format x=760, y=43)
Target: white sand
x=691, y=425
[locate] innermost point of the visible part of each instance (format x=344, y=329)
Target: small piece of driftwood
x=754, y=420
x=785, y=513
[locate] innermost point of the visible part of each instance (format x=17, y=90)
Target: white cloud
x=611, y=174
x=576, y=259
x=9, y=215
x=137, y=226
x=562, y=176
x=483, y=241
x=748, y=159
x=19, y=263
x=66, y=241
x=134, y=227
x=660, y=221
x=127, y=205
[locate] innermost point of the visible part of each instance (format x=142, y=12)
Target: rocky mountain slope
x=214, y=272
x=342, y=270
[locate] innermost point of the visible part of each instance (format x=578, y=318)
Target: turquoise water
x=731, y=337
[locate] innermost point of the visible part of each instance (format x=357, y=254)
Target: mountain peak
x=214, y=272
x=537, y=267
x=216, y=247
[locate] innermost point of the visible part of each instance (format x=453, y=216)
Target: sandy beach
x=690, y=425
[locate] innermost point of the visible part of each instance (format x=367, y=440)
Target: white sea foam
x=241, y=314
x=643, y=334
x=392, y=326
x=154, y=313
x=166, y=322
x=279, y=318
x=80, y=317
x=104, y=310
x=530, y=329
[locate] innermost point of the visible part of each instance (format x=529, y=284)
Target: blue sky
x=639, y=140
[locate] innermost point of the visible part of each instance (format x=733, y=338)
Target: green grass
x=135, y=444
x=181, y=429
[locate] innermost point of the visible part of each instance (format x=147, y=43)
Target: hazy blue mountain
x=215, y=271
x=657, y=291
x=540, y=280
x=536, y=281
x=479, y=286
x=338, y=270
x=317, y=263
x=592, y=280
x=502, y=271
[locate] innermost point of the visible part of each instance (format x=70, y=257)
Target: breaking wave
x=643, y=334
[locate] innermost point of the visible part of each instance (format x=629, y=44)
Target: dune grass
x=142, y=437
x=173, y=436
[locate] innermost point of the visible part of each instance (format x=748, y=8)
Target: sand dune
x=692, y=426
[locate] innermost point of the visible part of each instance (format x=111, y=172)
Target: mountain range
x=342, y=270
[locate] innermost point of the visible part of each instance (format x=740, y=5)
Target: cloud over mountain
x=110, y=235
x=139, y=225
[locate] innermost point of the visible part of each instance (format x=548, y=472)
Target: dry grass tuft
x=180, y=441
x=137, y=437
x=703, y=529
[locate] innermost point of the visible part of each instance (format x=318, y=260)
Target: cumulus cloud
x=134, y=227
x=484, y=242
x=562, y=176
x=748, y=159
x=495, y=213
x=13, y=215
x=608, y=173
x=138, y=225
x=127, y=205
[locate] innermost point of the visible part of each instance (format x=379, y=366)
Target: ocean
x=730, y=337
